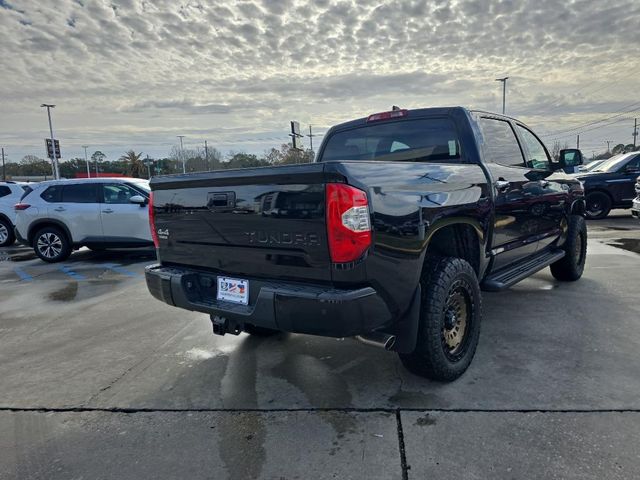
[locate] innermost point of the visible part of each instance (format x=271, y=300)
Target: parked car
x=635, y=207
x=10, y=194
x=57, y=217
x=389, y=235
x=611, y=184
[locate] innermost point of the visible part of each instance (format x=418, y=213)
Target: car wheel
x=51, y=245
x=7, y=237
x=259, y=331
x=570, y=267
x=598, y=205
x=451, y=310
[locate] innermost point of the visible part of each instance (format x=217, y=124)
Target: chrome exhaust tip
x=378, y=339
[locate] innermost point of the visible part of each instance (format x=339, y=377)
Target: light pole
x=54, y=160
x=504, y=91
x=86, y=160
x=184, y=165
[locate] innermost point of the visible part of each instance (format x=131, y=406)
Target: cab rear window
x=419, y=140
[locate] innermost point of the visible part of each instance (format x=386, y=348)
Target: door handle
x=502, y=185
x=544, y=183
x=108, y=210
x=60, y=209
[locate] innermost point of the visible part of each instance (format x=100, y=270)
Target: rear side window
x=500, y=142
x=80, y=193
x=51, y=194
x=420, y=140
x=4, y=191
x=27, y=190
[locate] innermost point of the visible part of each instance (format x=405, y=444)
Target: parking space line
x=66, y=269
x=119, y=269
x=22, y=274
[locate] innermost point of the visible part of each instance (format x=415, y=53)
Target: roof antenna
x=395, y=107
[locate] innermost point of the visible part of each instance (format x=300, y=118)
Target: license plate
x=233, y=290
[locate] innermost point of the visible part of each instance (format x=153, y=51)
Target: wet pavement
x=100, y=380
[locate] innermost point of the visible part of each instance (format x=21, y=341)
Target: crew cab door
x=549, y=211
x=123, y=221
x=517, y=193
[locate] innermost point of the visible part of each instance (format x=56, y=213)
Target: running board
x=513, y=274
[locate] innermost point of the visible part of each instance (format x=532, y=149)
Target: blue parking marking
x=119, y=269
x=22, y=274
x=66, y=269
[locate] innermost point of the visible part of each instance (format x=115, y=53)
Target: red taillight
x=387, y=115
x=348, y=224
x=21, y=206
x=152, y=222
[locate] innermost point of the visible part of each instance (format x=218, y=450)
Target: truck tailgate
x=263, y=222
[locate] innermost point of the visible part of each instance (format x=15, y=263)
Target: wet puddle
x=66, y=293
x=629, y=244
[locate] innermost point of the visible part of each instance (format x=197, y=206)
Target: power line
x=557, y=105
x=594, y=122
x=592, y=128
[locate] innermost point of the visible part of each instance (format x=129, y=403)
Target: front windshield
x=613, y=164
x=593, y=165
x=144, y=184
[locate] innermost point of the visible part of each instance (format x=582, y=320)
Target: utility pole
x=504, y=91
x=608, y=142
x=578, y=142
x=4, y=175
x=184, y=165
x=311, y=135
x=86, y=160
x=206, y=155
x=635, y=132
x=54, y=160
x=148, y=167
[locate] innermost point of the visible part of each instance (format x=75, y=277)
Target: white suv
x=59, y=216
x=10, y=194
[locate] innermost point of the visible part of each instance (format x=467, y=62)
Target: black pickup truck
x=388, y=236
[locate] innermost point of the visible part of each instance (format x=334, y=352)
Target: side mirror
x=570, y=158
x=139, y=199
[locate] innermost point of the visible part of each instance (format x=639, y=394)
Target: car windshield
x=613, y=164
x=593, y=165
x=420, y=140
x=143, y=184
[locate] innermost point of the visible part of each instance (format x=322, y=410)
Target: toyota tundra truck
x=388, y=236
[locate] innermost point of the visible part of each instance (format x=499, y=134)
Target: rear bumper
x=289, y=307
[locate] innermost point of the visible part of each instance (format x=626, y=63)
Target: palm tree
x=135, y=166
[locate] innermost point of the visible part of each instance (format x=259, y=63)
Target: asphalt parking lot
x=100, y=380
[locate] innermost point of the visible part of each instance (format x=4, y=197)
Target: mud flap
x=407, y=327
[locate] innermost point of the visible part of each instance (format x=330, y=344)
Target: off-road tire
x=443, y=277
x=570, y=267
x=60, y=245
x=8, y=234
x=600, y=200
x=259, y=331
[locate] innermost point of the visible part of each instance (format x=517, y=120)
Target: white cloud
x=133, y=74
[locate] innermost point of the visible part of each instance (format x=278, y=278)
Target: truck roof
x=420, y=112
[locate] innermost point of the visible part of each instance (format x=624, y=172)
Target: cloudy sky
x=136, y=73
